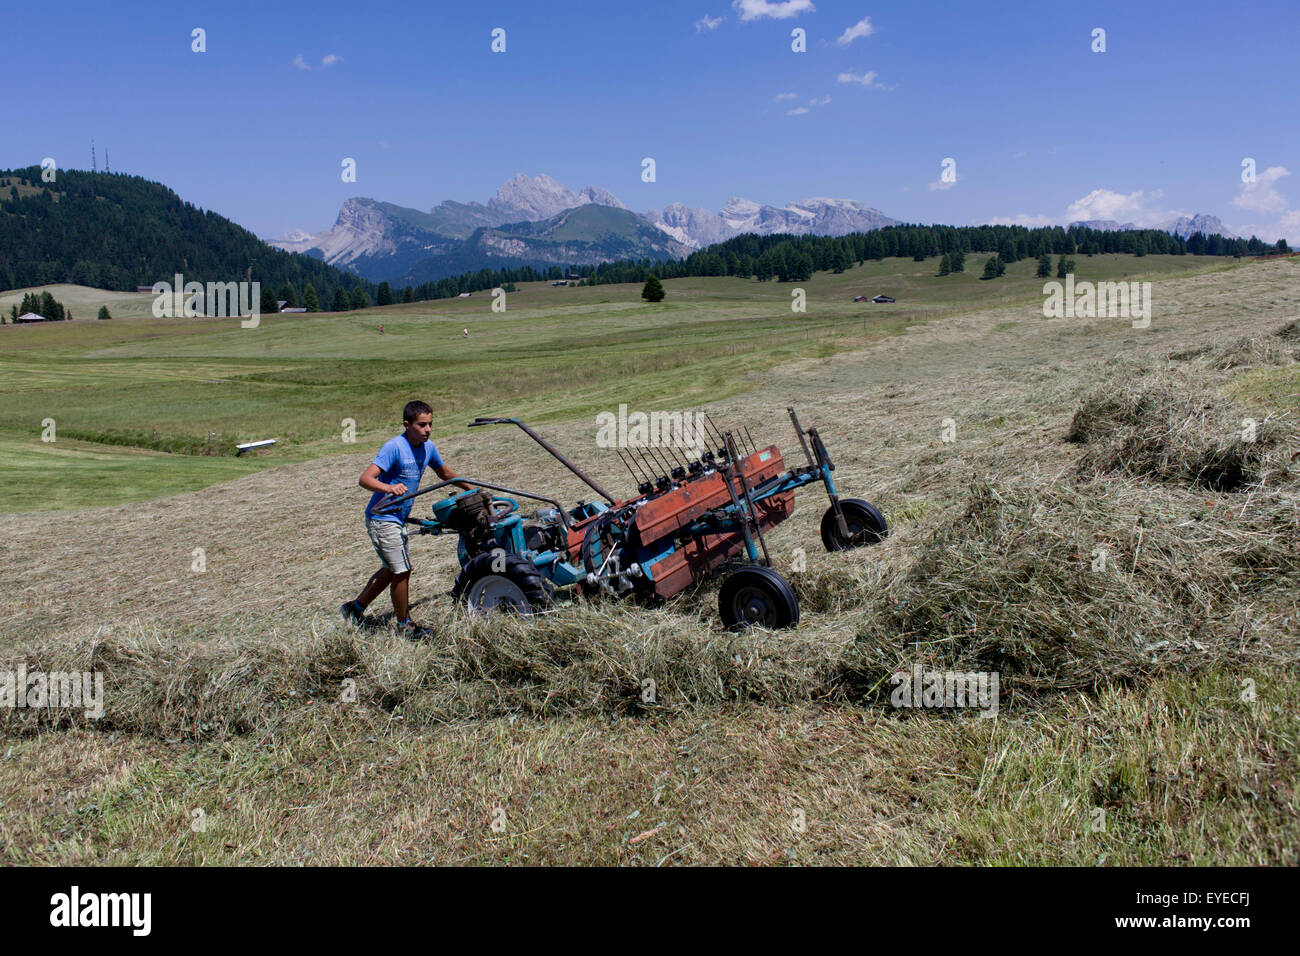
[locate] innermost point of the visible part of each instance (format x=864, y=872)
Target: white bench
x=253, y=444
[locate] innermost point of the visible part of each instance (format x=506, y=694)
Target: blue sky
x=1042, y=129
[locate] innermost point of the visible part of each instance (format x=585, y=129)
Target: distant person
x=381, y=330
x=466, y=331
x=395, y=471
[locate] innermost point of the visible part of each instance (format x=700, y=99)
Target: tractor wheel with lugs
x=866, y=525
x=757, y=596
x=498, y=580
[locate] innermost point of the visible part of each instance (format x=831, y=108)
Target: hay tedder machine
x=691, y=519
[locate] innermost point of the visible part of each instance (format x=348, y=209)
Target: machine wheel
x=755, y=595
x=866, y=525
x=514, y=585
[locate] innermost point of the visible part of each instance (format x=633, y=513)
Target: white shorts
x=389, y=539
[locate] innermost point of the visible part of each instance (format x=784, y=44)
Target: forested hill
x=115, y=231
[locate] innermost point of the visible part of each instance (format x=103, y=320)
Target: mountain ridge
x=383, y=241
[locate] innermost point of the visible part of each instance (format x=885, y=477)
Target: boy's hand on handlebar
x=397, y=489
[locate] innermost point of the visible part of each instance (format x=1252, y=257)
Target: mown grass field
x=1151, y=703
x=555, y=354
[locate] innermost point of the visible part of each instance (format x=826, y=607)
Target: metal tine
x=625, y=464
x=738, y=435
x=686, y=462
x=654, y=461
x=717, y=434
x=648, y=463
x=752, y=446
x=664, y=458
x=640, y=466
x=671, y=459
x=628, y=467
x=640, y=471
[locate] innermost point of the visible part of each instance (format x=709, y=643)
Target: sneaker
x=414, y=632
x=352, y=614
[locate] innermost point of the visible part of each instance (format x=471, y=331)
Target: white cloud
x=300, y=63
x=1288, y=228
x=800, y=110
x=755, y=9
x=329, y=59
x=941, y=184
x=865, y=79
x=705, y=23
x=1135, y=207
x=786, y=96
x=1260, y=196
x=1107, y=204
x=862, y=28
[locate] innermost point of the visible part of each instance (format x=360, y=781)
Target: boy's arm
x=446, y=474
x=370, y=481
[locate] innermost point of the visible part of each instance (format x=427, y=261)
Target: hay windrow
x=1289, y=332
x=1153, y=426
x=1056, y=587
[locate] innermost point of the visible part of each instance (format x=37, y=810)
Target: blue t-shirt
x=399, y=462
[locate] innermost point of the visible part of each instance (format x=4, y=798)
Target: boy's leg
x=375, y=586
x=401, y=595
x=389, y=539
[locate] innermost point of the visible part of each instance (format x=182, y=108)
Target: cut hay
x=1061, y=588
x=1289, y=332
x=1055, y=587
x=1159, y=427
x=1246, y=351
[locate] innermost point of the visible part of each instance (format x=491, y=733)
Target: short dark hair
x=415, y=409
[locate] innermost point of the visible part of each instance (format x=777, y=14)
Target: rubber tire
x=777, y=590
x=856, y=511
x=539, y=593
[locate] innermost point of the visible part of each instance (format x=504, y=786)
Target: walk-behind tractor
x=690, y=519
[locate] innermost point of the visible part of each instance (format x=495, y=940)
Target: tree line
x=116, y=231
x=794, y=258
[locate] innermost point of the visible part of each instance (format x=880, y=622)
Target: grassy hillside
x=84, y=301
x=117, y=231
x=1149, y=704
x=557, y=353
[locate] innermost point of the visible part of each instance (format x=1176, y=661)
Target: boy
x=395, y=471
